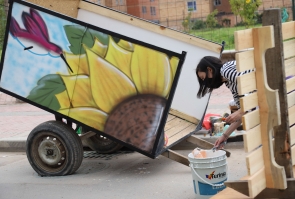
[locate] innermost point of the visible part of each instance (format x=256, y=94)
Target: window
x=153, y=10
x=217, y=2
x=117, y=2
x=191, y=6
x=152, y=0
x=143, y=9
x=98, y=2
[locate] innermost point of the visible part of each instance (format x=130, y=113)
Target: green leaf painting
x=45, y=91
x=78, y=35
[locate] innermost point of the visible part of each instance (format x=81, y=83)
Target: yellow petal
x=89, y=116
x=174, y=63
x=150, y=71
x=108, y=84
x=173, y=66
x=63, y=99
x=119, y=57
x=126, y=45
x=79, y=90
x=78, y=64
x=69, y=81
x=64, y=111
x=99, y=48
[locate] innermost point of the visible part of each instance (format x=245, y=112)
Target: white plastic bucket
x=208, y=173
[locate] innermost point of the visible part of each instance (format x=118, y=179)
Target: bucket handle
x=214, y=185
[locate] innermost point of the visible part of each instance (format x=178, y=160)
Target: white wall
x=185, y=99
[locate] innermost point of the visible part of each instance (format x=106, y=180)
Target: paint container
x=208, y=173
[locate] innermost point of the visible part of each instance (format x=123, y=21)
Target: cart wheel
x=54, y=149
x=101, y=144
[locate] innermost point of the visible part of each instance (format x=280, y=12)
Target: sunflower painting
x=113, y=85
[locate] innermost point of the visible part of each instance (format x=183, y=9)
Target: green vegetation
x=2, y=22
x=211, y=21
x=220, y=34
x=246, y=10
x=187, y=22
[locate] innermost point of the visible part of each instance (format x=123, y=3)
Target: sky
x=22, y=69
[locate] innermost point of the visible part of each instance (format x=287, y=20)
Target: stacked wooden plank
x=270, y=52
x=177, y=128
x=288, y=33
x=263, y=171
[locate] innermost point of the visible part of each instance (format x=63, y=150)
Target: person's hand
x=236, y=116
x=219, y=143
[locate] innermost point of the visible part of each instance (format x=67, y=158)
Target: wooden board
x=257, y=183
x=243, y=39
x=242, y=187
x=290, y=67
x=291, y=99
x=274, y=60
x=291, y=112
x=251, y=120
x=173, y=155
x=184, y=116
x=290, y=84
x=245, y=60
x=175, y=126
x=254, y=161
x=229, y=193
x=248, y=102
x=252, y=139
x=170, y=117
x=292, y=137
x=263, y=39
x=246, y=83
x=293, y=154
x=288, y=30
x=289, y=48
x=182, y=133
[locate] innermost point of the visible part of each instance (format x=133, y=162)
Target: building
x=172, y=13
x=146, y=9
x=226, y=17
x=119, y=5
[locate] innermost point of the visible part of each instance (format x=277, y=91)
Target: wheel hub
x=51, y=151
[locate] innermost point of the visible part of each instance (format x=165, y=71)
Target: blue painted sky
x=22, y=69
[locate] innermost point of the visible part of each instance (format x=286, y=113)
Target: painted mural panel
x=106, y=81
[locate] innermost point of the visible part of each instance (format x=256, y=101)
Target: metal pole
x=293, y=13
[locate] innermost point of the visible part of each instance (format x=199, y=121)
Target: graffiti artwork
x=113, y=84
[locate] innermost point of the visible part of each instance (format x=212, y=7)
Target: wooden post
x=274, y=59
x=269, y=110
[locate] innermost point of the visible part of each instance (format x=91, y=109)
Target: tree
x=187, y=22
x=3, y=16
x=245, y=9
x=249, y=10
x=211, y=21
x=236, y=7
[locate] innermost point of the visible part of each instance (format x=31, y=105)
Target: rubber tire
x=99, y=145
x=68, y=138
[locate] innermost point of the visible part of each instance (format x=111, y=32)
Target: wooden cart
x=122, y=83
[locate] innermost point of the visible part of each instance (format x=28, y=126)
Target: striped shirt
x=229, y=72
